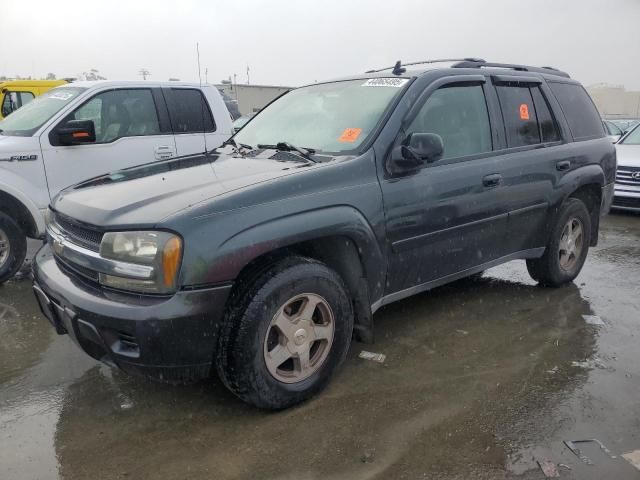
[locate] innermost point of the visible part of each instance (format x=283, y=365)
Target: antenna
x=204, y=134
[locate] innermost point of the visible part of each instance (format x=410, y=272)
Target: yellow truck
x=16, y=93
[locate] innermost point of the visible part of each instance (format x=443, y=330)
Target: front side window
x=28, y=119
x=189, y=111
x=120, y=113
x=332, y=117
x=459, y=115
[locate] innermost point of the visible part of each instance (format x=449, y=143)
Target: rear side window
x=519, y=114
x=459, y=115
x=189, y=111
x=581, y=114
x=548, y=126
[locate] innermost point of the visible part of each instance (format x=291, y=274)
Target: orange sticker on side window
x=524, y=112
x=350, y=135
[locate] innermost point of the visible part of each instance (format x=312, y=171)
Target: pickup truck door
x=193, y=121
x=132, y=128
x=449, y=216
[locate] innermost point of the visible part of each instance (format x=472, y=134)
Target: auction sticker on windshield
x=385, y=82
x=350, y=135
x=61, y=95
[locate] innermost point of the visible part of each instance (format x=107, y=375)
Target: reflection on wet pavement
x=478, y=382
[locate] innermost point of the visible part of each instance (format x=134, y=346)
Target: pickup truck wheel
x=13, y=247
x=567, y=249
x=288, y=333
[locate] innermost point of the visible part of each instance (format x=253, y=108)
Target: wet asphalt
x=478, y=382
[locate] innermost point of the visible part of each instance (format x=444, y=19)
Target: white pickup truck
x=84, y=129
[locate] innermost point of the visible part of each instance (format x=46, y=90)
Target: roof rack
x=479, y=63
x=398, y=68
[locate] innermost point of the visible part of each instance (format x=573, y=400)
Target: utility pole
x=248, y=82
x=206, y=75
x=144, y=72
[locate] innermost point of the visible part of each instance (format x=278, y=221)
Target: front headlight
x=160, y=250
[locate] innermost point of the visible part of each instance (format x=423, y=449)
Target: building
x=252, y=98
x=614, y=101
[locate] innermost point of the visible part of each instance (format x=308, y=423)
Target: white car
x=627, y=189
x=84, y=129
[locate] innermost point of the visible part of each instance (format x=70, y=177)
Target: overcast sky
x=293, y=42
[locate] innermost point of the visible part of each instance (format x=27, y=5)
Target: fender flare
x=239, y=250
x=7, y=186
x=572, y=181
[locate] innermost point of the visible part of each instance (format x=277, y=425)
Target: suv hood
x=147, y=194
x=628, y=155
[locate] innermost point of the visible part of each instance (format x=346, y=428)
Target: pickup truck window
x=331, y=117
x=25, y=121
x=459, y=115
x=189, y=111
x=120, y=113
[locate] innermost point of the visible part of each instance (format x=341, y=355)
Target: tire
x=15, y=247
x=554, y=268
x=255, y=328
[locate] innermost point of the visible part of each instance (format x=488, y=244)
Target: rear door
x=132, y=128
x=448, y=217
x=193, y=122
x=532, y=158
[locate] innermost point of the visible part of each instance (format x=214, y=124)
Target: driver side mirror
x=417, y=149
x=75, y=132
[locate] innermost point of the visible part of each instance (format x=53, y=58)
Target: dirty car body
x=381, y=211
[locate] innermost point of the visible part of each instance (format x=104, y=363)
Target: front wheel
x=286, y=335
x=567, y=248
x=13, y=247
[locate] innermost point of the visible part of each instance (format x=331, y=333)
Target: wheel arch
x=340, y=237
x=22, y=214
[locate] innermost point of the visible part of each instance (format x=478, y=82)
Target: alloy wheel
x=299, y=338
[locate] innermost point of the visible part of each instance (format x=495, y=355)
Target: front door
x=129, y=132
x=449, y=216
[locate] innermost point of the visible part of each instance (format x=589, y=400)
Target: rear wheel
x=286, y=335
x=567, y=249
x=13, y=247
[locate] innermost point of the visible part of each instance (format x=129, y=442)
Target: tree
x=92, y=74
x=51, y=76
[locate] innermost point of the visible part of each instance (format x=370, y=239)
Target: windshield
x=330, y=117
x=633, y=138
x=26, y=120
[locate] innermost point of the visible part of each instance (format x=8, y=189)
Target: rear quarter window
x=578, y=108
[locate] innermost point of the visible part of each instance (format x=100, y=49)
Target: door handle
x=563, y=165
x=163, y=152
x=492, y=180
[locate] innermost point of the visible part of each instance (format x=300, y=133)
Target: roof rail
x=399, y=69
x=478, y=63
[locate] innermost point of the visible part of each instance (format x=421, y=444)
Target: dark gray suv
x=262, y=259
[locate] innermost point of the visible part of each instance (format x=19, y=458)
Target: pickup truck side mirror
x=75, y=132
x=417, y=149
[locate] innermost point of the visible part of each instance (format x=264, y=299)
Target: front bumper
x=170, y=338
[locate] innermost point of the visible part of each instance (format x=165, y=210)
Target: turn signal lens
x=171, y=261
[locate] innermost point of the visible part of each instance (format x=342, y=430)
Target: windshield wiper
x=288, y=147
x=233, y=143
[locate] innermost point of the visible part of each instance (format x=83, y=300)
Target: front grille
x=625, y=176
x=78, y=233
x=77, y=270
x=629, y=202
